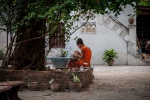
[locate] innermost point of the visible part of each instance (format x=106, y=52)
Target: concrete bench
x=15, y=85
x=4, y=92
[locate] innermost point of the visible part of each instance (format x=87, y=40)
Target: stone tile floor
x=110, y=83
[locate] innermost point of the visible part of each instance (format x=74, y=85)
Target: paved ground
x=110, y=83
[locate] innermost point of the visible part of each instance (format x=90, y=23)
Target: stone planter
x=74, y=86
x=55, y=87
x=32, y=86
x=43, y=77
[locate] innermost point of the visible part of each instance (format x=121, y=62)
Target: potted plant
x=54, y=86
x=1, y=57
x=109, y=56
x=59, y=62
x=32, y=85
x=75, y=84
x=63, y=53
x=131, y=20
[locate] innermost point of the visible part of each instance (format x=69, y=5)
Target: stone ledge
x=43, y=77
x=131, y=26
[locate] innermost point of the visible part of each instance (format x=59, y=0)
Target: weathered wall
x=43, y=77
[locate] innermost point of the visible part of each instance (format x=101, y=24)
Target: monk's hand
x=77, y=52
x=78, y=56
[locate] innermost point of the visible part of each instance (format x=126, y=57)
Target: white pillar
x=132, y=40
x=132, y=33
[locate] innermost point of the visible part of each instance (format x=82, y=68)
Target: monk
x=83, y=57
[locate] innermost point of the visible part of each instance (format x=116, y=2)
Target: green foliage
x=63, y=53
x=144, y=3
x=17, y=13
x=109, y=55
x=131, y=16
x=51, y=81
x=10, y=11
x=75, y=78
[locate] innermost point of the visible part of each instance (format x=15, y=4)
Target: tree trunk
x=30, y=54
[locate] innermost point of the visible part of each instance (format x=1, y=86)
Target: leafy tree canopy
x=15, y=13
x=144, y=3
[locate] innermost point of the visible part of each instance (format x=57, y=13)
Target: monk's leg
x=82, y=63
x=79, y=63
x=86, y=65
x=72, y=63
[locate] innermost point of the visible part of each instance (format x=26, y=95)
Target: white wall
x=103, y=39
x=123, y=18
x=3, y=40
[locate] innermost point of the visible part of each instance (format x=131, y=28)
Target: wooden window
x=57, y=40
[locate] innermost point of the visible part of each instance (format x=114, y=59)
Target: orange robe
x=85, y=62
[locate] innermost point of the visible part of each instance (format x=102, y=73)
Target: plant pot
x=111, y=63
x=74, y=86
x=55, y=87
x=131, y=21
x=32, y=86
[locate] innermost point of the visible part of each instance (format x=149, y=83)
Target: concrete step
x=144, y=60
x=137, y=61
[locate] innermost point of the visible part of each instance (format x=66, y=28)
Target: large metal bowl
x=59, y=62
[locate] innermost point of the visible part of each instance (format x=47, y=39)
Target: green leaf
x=109, y=55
